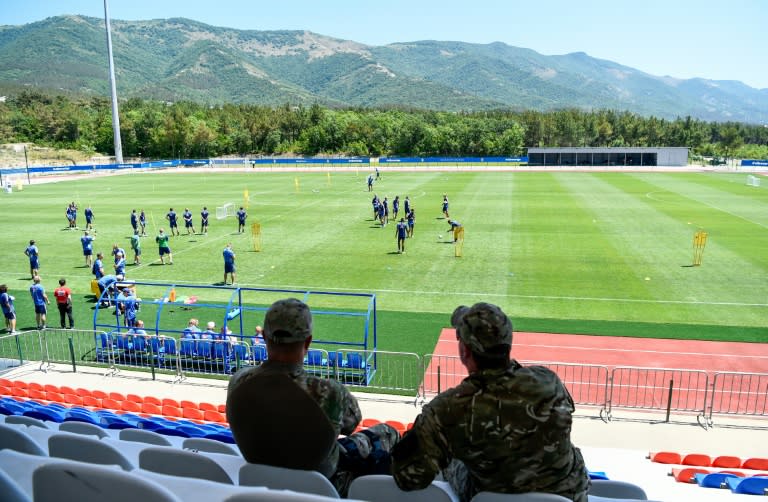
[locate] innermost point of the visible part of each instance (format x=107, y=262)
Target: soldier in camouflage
x=288, y=334
x=505, y=428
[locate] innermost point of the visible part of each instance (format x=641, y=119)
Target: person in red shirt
x=63, y=297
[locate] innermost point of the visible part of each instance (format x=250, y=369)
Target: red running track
x=607, y=351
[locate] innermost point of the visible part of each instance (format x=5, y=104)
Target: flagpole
x=113, y=90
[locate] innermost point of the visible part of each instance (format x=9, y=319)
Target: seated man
x=505, y=428
x=191, y=331
x=288, y=334
x=210, y=332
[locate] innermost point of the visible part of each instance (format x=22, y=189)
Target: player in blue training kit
x=120, y=264
x=87, y=242
x=187, y=215
x=40, y=300
x=411, y=222
x=88, y=218
x=143, y=223
x=445, y=206
x=407, y=206
x=134, y=220
x=229, y=263
x=455, y=226
x=395, y=207
x=98, y=266
x=34, y=258
x=172, y=223
x=204, y=220
x=241, y=216
x=401, y=231
x=9, y=312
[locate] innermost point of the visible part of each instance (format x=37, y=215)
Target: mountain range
x=181, y=59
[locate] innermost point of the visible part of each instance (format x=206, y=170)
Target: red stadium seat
x=192, y=413
x=64, y=389
x=20, y=392
x=369, y=422
x=666, y=457
x=203, y=406
x=171, y=411
x=83, y=392
x=38, y=395
x=36, y=386
x=6, y=383
x=151, y=408
x=398, y=426
x=92, y=402
x=99, y=394
x=110, y=404
x=54, y=397
x=214, y=416
x=189, y=404
x=697, y=459
x=171, y=402
x=135, y=398
x=687, y=475
x=130, y=406
x=222, y=408
x=756, y=463
x=117, y=396
x=73, y=399
x=52, y=388
x=153, y=400
x=19, y=384
x=5, y=390
x=727, y=461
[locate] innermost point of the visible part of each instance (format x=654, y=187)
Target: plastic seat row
x=81, y=396
x=57, y=413
x=703, y=460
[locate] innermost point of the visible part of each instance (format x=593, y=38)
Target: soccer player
x=87, y=242
x=88, y=218
x=34, y=258
x=107, y=283
x=63, y=296
x=143, y=223
x=136, y=246
x=9, y=312
x=385, y=203
x=134, y=220
x=411, y=222
x=73, y=212
x=98, y=266
x=130, y=307
x=401, y=231
x=381, y=216
x=241, y=216
x=455, y=226
x=445, y=205
x=40, y=299
x=172, y=223
x=163, y=248
x=407, y=206
x=117, y=250
x=119, y=264
x=375, y=202
x=370, y=183
x=187, y=215
x=204, y=220
x=229, y=263
x=395, y=207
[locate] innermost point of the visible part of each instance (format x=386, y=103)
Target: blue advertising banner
x=451, y=160
x=312, y=160
x=754, y=163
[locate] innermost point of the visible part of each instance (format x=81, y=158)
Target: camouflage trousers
x=457, y=475
x=362, y=453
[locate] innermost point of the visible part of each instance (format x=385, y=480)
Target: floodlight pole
x=113, y=89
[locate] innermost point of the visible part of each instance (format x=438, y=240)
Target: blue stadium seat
x=43, y=413
x=259, y=353
x=81, y=415
x=713, y=480
x=754, y=485
x=315, y=358
x=355, y=361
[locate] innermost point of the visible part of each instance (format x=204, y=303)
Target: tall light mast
x=113, y=91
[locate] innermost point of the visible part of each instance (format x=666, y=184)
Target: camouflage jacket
x=339, y=405
x=511, y=429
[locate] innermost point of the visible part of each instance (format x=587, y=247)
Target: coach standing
x=63, y=297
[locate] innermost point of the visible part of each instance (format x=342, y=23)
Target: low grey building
x=605, y=156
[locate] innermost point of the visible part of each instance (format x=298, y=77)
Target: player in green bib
x=162, y=243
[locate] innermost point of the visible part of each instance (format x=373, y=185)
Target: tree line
x=160, y=130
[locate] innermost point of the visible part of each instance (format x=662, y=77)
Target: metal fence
x=739, y=394
x=662, y=389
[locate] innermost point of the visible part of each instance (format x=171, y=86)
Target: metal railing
x=661, y=389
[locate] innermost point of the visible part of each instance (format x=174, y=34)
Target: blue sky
x=724, y=40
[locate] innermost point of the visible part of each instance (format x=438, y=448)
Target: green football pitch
x=570, y=252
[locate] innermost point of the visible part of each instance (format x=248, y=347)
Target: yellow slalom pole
x=296, y=183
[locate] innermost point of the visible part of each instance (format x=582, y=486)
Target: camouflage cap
x=482, y=326
x=288, y=321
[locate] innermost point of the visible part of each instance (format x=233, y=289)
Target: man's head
x=211, y=325
x=193, y=322
x=139, y=323
x=62, y=281
x=36, y=279
x=288, y=321
x=486, y=332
